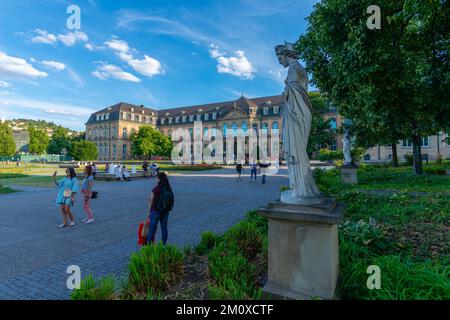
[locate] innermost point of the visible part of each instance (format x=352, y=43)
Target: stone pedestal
x=303, y=250
x=349, y=175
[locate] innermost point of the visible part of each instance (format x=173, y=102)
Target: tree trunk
x=417, y=153
x=394, y=154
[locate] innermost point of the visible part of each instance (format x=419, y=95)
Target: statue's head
x=286, y=52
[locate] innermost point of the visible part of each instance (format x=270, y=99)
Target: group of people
x=160, y=202
x=119, y=170
x=262, y=166
x=68, y=189
x=151, y=170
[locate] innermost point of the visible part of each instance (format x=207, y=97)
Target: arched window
x=255, y=127
x=244, y=126
x=333, y=124
x=205, y=132
x=225, y=128
x=213, y=132
x=275, y=125
x=234, y=128
x=264, y=126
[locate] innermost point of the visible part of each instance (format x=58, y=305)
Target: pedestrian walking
x=68, y=187
x=239, y=170
x=253, y=171
x=86, y=190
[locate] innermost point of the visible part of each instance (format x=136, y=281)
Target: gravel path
x=34, y=253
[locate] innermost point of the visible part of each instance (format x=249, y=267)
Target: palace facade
x=111, y=128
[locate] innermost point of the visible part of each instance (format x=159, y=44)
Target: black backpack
x=165, y=200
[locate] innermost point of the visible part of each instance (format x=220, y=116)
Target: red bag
x=142, y=240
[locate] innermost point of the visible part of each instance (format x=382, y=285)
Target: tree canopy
x=7, y=144
x=149, y=142
x=391, y=82
x=84, y=150
x=38, y=140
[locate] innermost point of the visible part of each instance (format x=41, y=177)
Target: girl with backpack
x=160, y=203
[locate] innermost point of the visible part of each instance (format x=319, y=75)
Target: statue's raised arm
x=296, y=128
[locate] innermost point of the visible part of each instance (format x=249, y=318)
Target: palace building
x=111, y=128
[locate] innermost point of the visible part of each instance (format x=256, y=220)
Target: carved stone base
x=288, y=198
x=303, y=250
x=349, y=175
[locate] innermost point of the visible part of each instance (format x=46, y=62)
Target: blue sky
x=158, y=53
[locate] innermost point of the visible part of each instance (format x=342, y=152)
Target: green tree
x=321, y=132
x=60, y=140
x=7, y=144
x=149, y=142
x=392, y=82
x=39, y=140
x=84, y=150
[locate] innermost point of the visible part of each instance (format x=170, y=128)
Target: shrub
x=435, y=170
x=155, y=267
x=261, y=223
x=408, y=159
x=207, y=242
x=329, y=155
x=234, y=290
x=226, y=262
x=90, y=289
x=246, y=236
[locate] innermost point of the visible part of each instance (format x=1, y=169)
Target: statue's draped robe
x=296, y=128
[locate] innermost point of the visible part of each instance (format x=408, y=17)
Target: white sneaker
x=72, y=224
x=89, y=221
x=84, y=220
x=62, y=225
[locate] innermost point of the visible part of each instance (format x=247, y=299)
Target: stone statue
x=295, y=132
x=346, y=145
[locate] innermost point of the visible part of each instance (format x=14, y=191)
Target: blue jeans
x=263, y=179
x=156, y=216
x=252, y=172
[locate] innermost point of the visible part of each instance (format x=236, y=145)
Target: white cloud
x=118, y=45
x=237, y=65
x=71, y=38
x=93, y=47
x=4, y=84
x=43, y=36
x=106, y=71
x=12, y=67
x=148, y=66
x=55, y=65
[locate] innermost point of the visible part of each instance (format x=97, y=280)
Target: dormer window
x=124, y=116
x=276, y=110
x=132, y=109
x=177, y=119
x=206, y=116
x=170, y=120
x=214, y=115
x=266, y=111
x=162, y=120
x=184, y=118
x=268, y=102
x=191, y=118
x=167, y=114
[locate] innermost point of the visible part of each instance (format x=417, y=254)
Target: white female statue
x=295, y=133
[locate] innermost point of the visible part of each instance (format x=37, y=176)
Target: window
x=162, y=120
x=205, y=132
x=124, y=151
x=177, y=119
x=214, y=115
x=124, y=116
x=225, y=127
x=170, y=120
x=264, y=126
x=266, y=111
x=147, y=120
x=407, y=143
x=199, y=117
x=114, y=147
x=114, y=133
x=191, y=118
x=140, y=118
x=333, y=124
x=206, y=116
x=184, y=118
x=255, y=127
x=132, y=117
x=333, y=145
x=124, y=133
x=276, y=110
x=275, y=125
x=425, y=142
x=244, y=126
x=191, y=131
x=234, y=128
x=107, y=116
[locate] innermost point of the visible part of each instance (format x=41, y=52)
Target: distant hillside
x=49, y=127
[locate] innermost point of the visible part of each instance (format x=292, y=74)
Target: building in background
x=111, y=128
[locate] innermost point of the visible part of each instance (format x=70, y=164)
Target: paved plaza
x=34, y=253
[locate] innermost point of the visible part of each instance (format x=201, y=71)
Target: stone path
x=35, y=254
